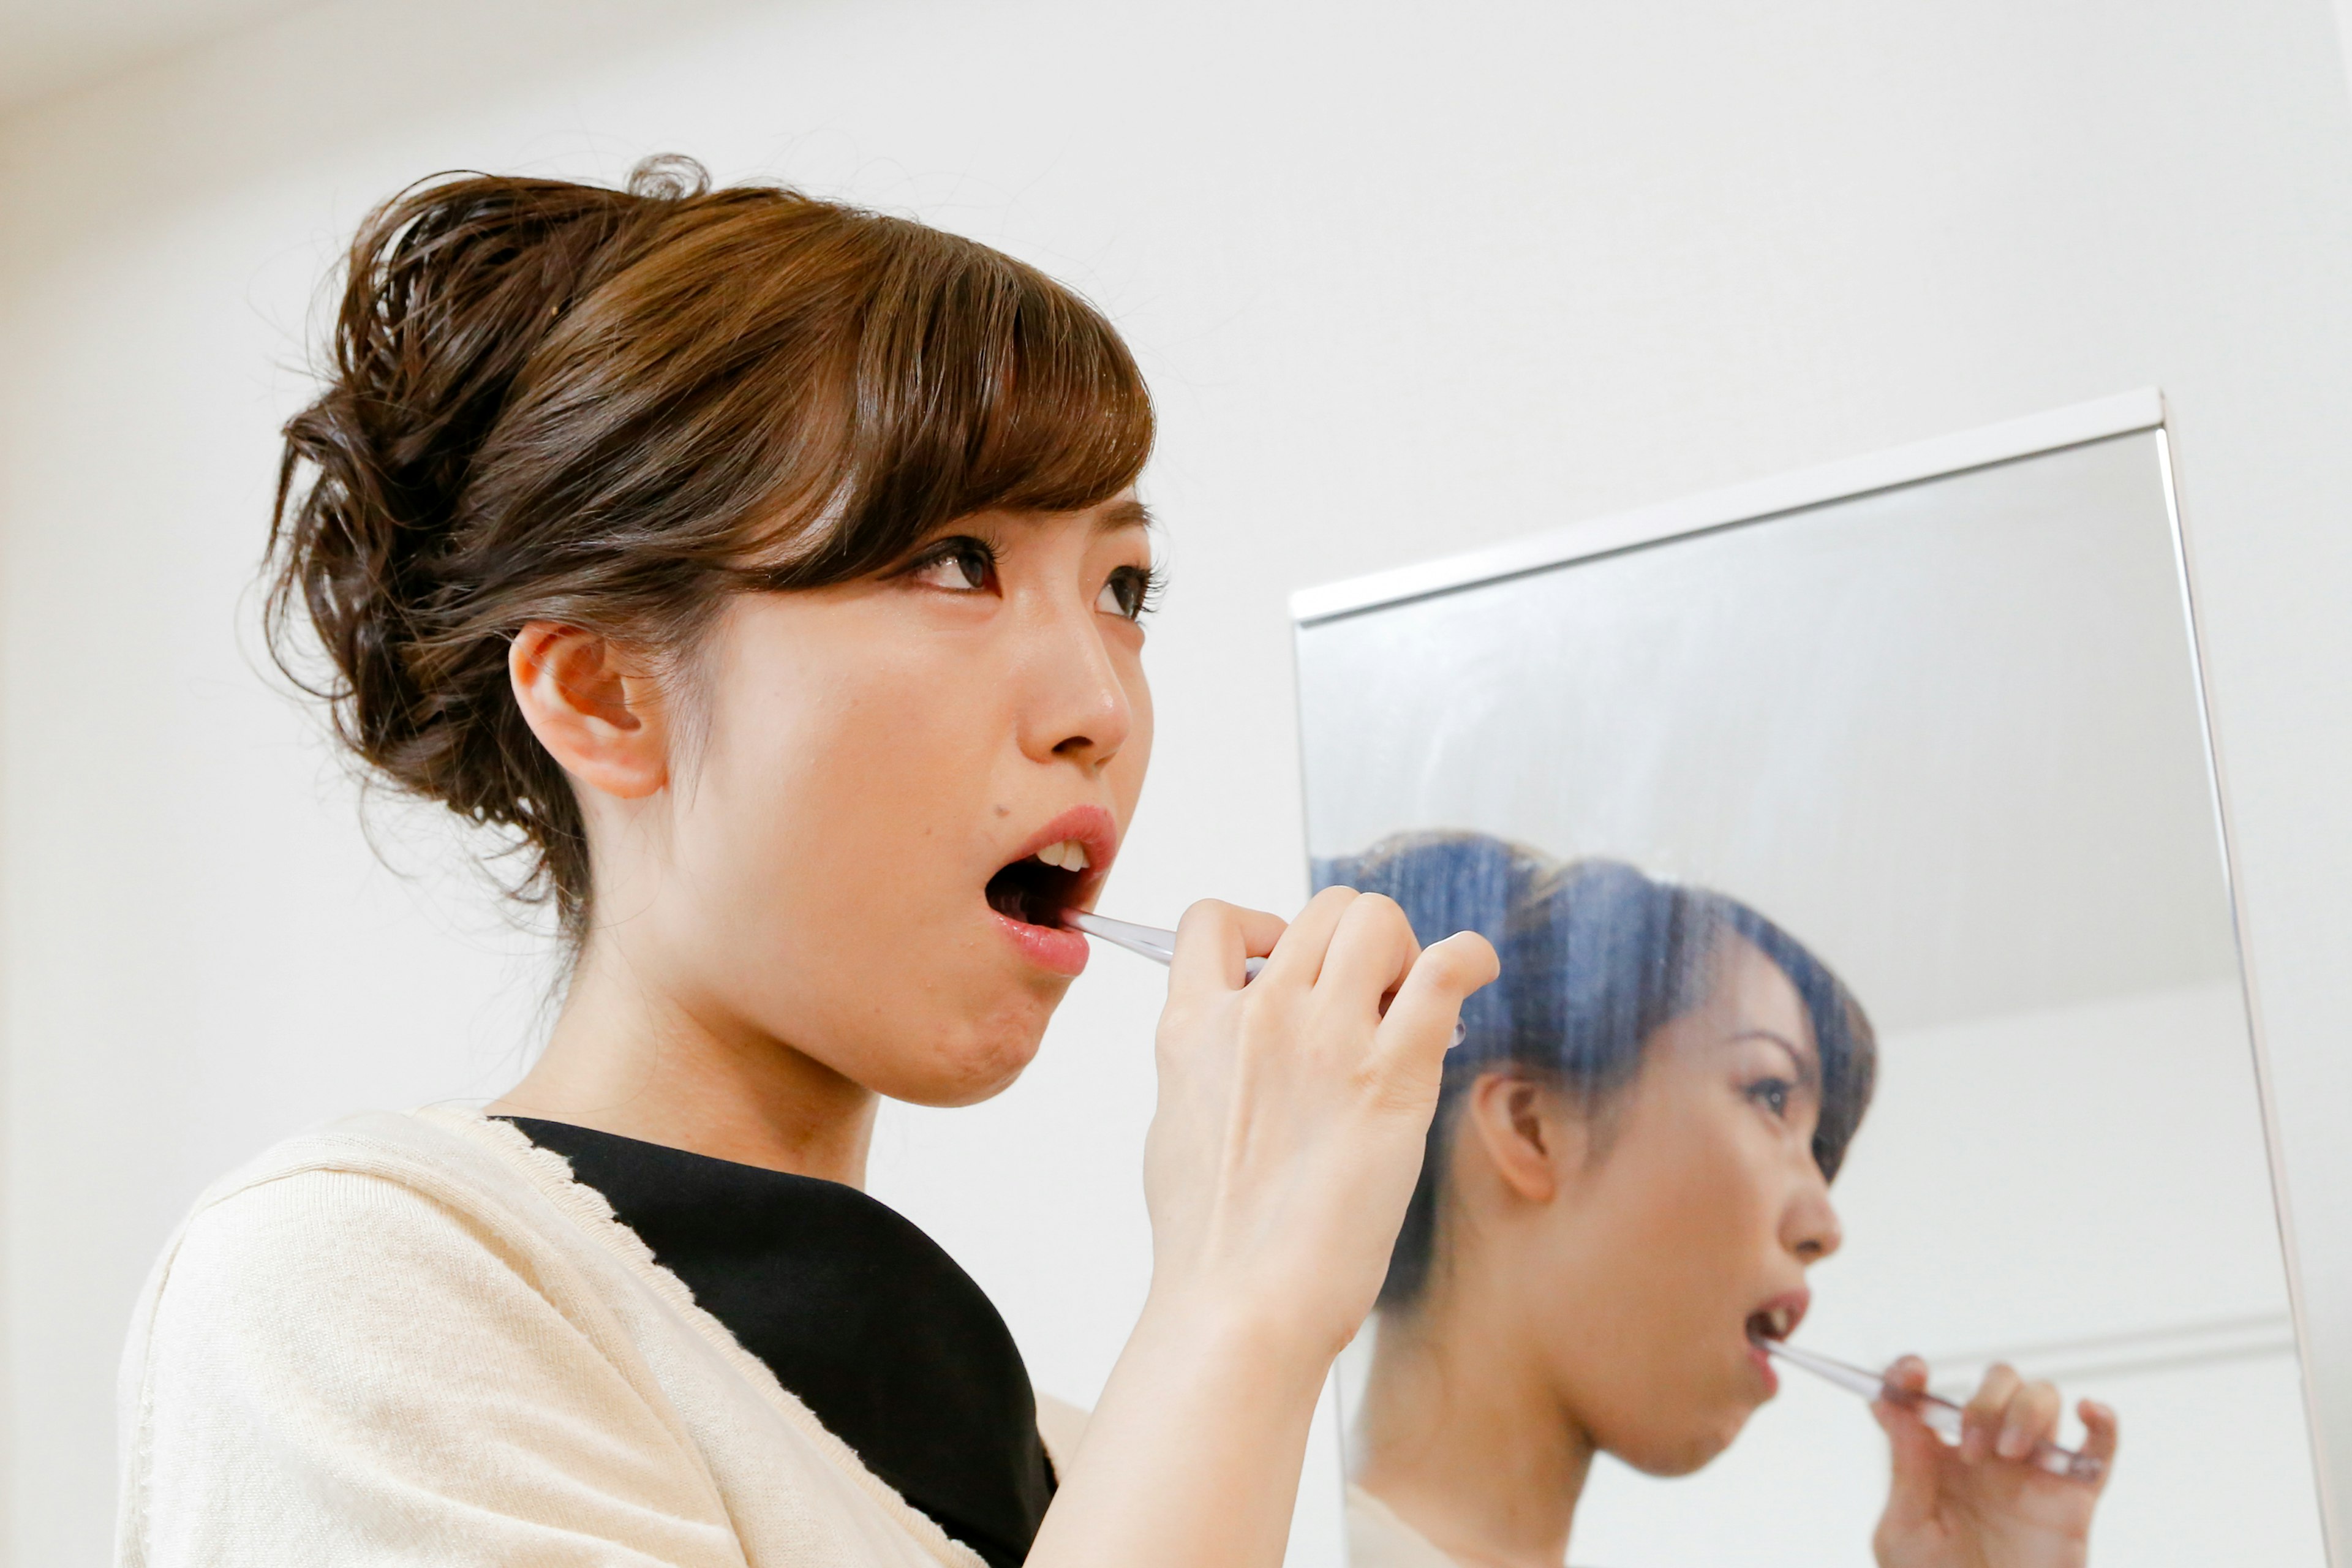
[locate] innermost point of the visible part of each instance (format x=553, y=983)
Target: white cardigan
x=415, y=1339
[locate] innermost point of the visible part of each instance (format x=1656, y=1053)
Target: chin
x=981, y=1064
x=1679, y=1451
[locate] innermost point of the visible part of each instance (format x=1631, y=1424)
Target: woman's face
x=891, y=786
x=1681, y=1220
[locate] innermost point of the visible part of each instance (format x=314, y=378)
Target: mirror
x=1905, y=760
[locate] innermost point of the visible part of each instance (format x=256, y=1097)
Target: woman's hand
x=1984, y=1504
x=1294, y=1108
x=1292, y=1115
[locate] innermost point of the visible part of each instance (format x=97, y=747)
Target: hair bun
x=448, y=289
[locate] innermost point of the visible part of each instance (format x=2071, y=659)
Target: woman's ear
x=599, y=715
x=1519, y=1127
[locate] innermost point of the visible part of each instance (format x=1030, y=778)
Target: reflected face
x=1685, y=1215
x=898, y=782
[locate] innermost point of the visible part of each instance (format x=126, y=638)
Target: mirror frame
x=2126, y=414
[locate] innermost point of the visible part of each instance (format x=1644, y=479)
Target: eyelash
x=977, y=555
x=1137, y=589
x=1774, y=1094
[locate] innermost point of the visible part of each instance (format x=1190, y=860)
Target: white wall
x=1407, y=281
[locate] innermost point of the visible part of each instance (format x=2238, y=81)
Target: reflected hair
x=613, y=407
x=1596, y=958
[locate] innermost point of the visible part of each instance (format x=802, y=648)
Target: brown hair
x=610, y=408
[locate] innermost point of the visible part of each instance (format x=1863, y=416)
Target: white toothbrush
x=1941, y=1416
x=1160, y=946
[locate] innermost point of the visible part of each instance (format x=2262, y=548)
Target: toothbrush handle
x=1943, y=1418
x=1160, y=946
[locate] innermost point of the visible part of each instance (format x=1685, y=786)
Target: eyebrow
x=1128, y=513
x=1808, y=1067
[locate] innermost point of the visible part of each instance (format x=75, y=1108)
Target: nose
x=1809, y=1227
x=1074, y=703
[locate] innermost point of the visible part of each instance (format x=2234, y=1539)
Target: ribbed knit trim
x=586, y=1207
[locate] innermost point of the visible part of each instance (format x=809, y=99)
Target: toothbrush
x=1941, y=1415
x=1160, y=946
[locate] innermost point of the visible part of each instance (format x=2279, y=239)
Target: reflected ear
x=598, y=713
x=1519, y=1127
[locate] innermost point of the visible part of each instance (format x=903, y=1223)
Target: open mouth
x=1775, y=1320
x=1060, y=869
x=1036, y=889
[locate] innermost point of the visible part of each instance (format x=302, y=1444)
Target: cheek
x=1682, y=1253
x=1126, y=770
x=834, y=795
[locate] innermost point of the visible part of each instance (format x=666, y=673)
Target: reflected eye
x=1773, y=1094
x=1130, y=593
x=959, y=565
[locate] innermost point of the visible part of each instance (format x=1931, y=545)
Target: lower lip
x=1056, y=951
x=1763, y=1361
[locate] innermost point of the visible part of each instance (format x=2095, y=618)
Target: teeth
x=1069, y=854
x=1783, y=1318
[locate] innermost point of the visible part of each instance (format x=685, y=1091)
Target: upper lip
x=1782, y=1314
x=1091, y=826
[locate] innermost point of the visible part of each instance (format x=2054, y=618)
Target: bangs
x=968, y=383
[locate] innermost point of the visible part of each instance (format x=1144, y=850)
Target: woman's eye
x=1773, y=1094
x=958, y=566
x=1128, y=593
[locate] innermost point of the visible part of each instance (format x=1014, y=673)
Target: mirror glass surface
x=1946, y=739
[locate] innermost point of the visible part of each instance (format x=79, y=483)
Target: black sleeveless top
x=860, y=1314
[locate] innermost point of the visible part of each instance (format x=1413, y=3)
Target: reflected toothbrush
x=1160, y=946
x=1941, y=1415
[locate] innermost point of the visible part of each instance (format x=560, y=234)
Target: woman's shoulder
x=361, y=1177
x=357, y=1336
x=395, y=1313
x=363, y=1219
x=366, y=1215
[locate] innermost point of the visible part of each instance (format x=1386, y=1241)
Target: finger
x=1371, y=952
x=1915, y=1452
x=1297, y=958
x=1908, y=1374
x=2031, y=1418
x=1980, y=1421
x=1419, y=1027
x=2099, y=1436
x=1213, y=941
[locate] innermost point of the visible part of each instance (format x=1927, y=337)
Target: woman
x=769, y=575
x=1627, y=1178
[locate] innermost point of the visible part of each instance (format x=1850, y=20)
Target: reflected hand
x=1983, y=1504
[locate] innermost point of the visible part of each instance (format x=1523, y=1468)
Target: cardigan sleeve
x=337, y=1368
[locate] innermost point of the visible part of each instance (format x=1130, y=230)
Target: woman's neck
x=626, y=1058
x=1462, y=1438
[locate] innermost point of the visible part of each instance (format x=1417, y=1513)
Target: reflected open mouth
x=1776, y=1320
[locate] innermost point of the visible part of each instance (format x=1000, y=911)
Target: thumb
x=1419, y=1024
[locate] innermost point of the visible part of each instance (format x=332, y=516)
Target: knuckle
x=1207, y=911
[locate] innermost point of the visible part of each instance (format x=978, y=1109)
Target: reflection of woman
x=1627, y=1179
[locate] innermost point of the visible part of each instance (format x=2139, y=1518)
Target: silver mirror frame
x=2126, y=414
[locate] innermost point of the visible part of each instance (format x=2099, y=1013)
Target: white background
x=1406, y=280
